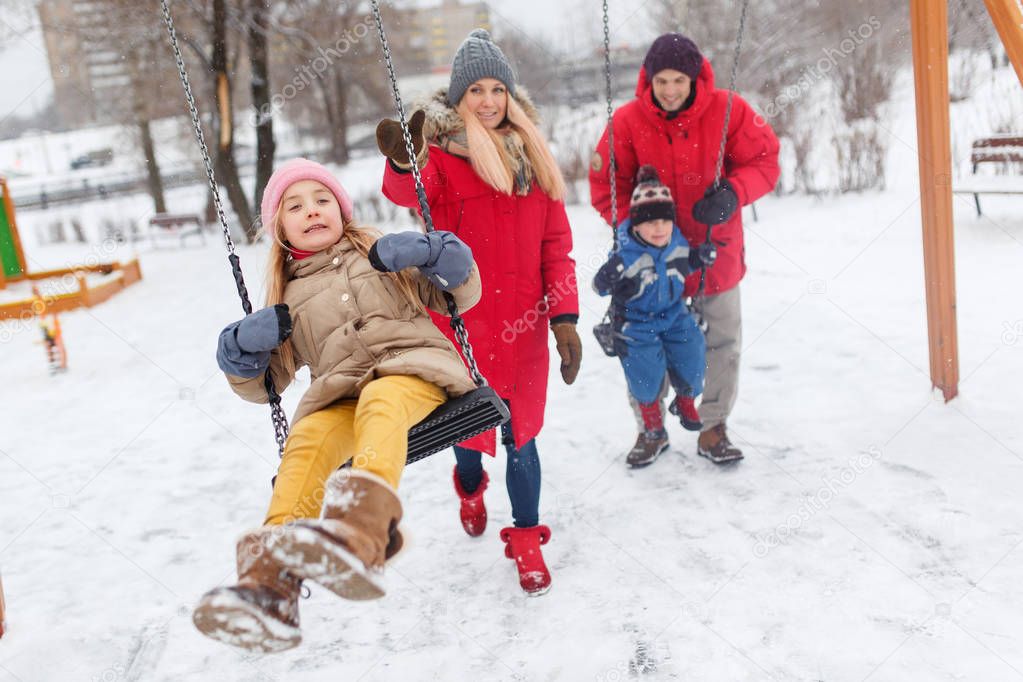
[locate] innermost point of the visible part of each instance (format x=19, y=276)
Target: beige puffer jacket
x=352, y=325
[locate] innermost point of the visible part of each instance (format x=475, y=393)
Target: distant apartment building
x=91, y=66
x=431, y=34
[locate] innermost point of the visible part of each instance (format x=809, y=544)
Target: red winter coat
x=521, y=245
x=684, y=150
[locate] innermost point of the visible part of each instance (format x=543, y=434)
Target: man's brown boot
x=715, y=446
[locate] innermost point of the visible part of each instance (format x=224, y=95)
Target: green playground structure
x=15, y=269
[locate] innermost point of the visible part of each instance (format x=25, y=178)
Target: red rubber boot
x=473, y=512
x=523, y=545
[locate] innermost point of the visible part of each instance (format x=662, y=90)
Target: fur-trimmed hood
x=443, y=121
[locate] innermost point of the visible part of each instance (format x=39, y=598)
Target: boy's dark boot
x=652, y=440
x=685, y=409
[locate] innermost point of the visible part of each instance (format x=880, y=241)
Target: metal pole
x=929, y=25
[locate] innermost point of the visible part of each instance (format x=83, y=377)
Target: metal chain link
x=280, y=420
x=424, y=205
x=731, y=91
x=194, y=111
x=611, y=166
x=724, y=139
x=457, y=324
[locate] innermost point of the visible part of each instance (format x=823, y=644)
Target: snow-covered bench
x=176, y=224
x=1005, y=148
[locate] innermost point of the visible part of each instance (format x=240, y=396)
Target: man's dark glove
x=717, y=205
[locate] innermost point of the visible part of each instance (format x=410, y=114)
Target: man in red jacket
x=675, y=124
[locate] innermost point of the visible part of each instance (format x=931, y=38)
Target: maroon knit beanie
x=673, y=51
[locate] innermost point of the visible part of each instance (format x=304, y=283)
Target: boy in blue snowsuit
x=653, y=329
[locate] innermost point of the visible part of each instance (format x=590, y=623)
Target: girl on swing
x=490, y=178
x=349, y=304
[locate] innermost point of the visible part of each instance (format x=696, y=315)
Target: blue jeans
x=522, y=474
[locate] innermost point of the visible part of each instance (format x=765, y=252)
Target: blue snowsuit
x=654, y=330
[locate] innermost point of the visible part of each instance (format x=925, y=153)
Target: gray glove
x=244, y=346
x=441, y=256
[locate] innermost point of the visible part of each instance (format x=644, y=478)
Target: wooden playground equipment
x=3, y=623
x=929, y=29
x=15, y=269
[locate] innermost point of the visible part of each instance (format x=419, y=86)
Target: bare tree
x=258, y=21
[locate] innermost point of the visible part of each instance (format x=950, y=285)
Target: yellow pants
x=372, y=431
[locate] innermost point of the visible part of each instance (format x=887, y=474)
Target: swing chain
x=724, y=139
x=280, y=420
x=612, y=167
x=457, y=324
x=194, y=111
x=410, y=148
x=731, y=91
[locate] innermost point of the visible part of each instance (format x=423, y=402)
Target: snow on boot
x=523, y=545
x=260, y=613
x=345, y=549
x=473, y=512
x=652, y=441
x=685, y=409
x=715, y=446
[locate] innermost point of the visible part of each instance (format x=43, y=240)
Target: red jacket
x=521, y=245
x=684, y=150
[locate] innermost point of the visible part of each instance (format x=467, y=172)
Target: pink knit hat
x=294, y=171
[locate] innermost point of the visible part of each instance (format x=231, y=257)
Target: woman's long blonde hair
x=490, y=159
x=362, y=237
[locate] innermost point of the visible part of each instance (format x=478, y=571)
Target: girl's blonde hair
x=361, y=237
x=490, y=158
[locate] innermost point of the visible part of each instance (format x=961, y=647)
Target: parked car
x=93, y=159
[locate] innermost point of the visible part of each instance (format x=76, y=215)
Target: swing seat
x=458, y=419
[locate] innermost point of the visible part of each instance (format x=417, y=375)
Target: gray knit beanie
x=478, y=57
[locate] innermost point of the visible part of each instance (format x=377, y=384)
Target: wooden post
x=1007, y=16
x=929, y=25
x=3, y=623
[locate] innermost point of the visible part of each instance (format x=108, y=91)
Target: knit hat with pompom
x=651, y=200
x=478, y=57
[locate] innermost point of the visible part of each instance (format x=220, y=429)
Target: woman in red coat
x=491, y=179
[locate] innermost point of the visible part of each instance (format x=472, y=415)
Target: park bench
x=181, y=225
x=1006, y=148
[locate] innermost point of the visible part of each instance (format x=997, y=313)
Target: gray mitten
x=244, y=346
x=444, y=258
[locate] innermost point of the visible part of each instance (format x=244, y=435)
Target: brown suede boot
x=345, y=549
x=715, y=446
x=260, y=613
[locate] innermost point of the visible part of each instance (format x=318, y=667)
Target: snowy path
x=124, y=483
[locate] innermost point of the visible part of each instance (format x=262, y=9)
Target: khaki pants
x=723, y=313
x=371, y=431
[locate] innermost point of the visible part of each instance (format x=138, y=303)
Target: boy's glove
x=444, y=258
x=702, y=256
x=717, y=205
x=391, y=141
x=570, y=348
x=610, y=279
x=244, y=346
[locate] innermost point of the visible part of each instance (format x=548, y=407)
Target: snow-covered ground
x=872, y=532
